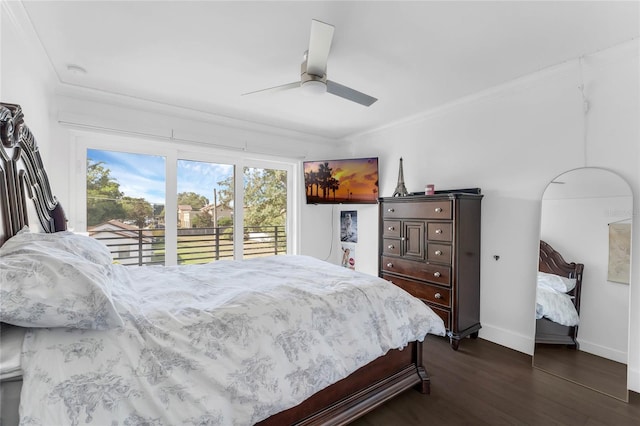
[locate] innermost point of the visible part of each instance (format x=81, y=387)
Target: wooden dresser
x=430, y=247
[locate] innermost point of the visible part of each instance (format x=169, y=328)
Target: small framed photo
x=349, y=226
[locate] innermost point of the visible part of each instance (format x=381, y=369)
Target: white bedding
x=554, y=304
x=215, y=344
x=11, y=338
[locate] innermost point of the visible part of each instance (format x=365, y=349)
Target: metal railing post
x=216, y=232
x=140, y=247
x=275, y=239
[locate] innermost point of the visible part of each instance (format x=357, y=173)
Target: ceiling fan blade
x=319, y=45
x=276, y=88
x=349, y=93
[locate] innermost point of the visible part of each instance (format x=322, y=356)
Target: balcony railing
x=195, y=245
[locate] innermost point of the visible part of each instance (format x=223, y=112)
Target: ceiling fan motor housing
x=312, y=83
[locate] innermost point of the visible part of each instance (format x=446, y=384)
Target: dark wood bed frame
x=26, y=199
x=547, y=331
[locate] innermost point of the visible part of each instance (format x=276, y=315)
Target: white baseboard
x=508, y=338
x=603, y=351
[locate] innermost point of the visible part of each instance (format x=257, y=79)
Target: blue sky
x=143, y=176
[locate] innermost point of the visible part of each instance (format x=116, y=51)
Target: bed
x=559, y=285
x=100, y=343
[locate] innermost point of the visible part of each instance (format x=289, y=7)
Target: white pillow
x=556, y=282
x=82, y=245
x=47, y=285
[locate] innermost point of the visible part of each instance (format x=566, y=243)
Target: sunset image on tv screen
x=341, y=181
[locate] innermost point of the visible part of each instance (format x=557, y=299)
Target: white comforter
x=228, y=343
x=555, y=305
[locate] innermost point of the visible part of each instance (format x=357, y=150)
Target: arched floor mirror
x=585, y=220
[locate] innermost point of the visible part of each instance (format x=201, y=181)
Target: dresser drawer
x=391, y=228
x=430, y=293
x=440, y=231
x=440, y=253
x=437, y=274
x=418, y=210
x=391, y=246
x=444, y=314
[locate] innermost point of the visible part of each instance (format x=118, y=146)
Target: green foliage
x=103, y=195
x=225, y=221
x=265, y=197
x=225, y=193
x=192, y=199
x=202, y=220
x=105, y=201
x=137, y=210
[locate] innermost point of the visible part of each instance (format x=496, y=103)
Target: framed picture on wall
x=619, y=252
x=349, y=226
x=349, y=255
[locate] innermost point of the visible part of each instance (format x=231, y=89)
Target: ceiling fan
x=313, y=71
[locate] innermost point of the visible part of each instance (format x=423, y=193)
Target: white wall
x=578, y=229
x=25, y=75
x=511, y=141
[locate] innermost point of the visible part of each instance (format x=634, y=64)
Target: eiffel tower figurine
x=401, y=190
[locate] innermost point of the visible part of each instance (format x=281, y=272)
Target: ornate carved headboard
x=552, y=262
x=25, y=194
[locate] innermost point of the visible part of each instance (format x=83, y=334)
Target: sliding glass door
x=265, y=211
x=205, y=211
x=180, y=207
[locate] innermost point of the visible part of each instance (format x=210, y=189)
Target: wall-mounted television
x=348, y=181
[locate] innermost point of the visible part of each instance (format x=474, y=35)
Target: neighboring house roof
x=184, y=207
x=121, y=229
x=222, y=211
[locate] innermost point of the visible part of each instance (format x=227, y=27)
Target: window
x=205, y=211
x=125, y=204
x=265, y=211
x=130, y=203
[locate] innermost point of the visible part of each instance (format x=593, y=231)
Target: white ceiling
x=412, y=56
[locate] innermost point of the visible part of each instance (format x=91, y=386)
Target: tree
x=196, y=201
x=265, y=197
x=103, y=194
x=201, y=220
x=137, y=210
x=324, y=178
x=225, y=193
x=334, y=185
x=311, y=179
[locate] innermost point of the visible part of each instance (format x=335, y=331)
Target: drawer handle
x=438, y=231
x=438, y=296
x=391, y=228
x=436, y=274
x=389, y=265
x=391, y=210
x=438, y=209
x=438, y=253
x=391, y=246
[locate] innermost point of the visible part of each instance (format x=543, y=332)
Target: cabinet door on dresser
x=430, y=247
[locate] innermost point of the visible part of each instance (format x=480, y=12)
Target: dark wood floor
x=487, y=384
x=605, y=375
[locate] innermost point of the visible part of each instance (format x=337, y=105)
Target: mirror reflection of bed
x=589, y=345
